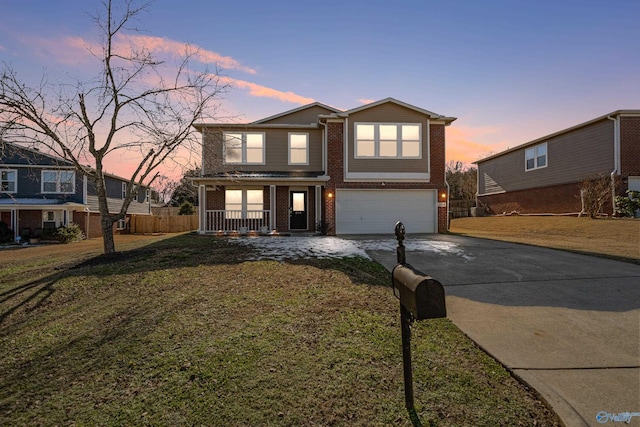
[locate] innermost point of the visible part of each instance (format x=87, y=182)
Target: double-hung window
x=243, y=204
x=388, y=140
x=244, y=147
x=298, y=148
x=8, y=180
x=536, y=157
x=58, y=181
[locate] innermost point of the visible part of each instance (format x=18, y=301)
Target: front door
x=298, y=210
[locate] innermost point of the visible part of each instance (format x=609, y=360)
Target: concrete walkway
x=566, y=324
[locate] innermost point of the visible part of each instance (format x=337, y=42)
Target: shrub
x=6, y=234
x=595, y=191
x=627, y=206
x=68, y=234
x=186, y=209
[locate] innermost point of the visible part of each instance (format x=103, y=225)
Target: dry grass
x=613, y=237
x=184, y=331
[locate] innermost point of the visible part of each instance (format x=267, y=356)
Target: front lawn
x=612, y=237
x=184, y=331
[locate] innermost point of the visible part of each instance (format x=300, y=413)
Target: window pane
x=49, y=176
x=298, y=141
x=365, y=149
x=233, y=148
x=530, y=153
x=389, y=148
x=255, y=140
x=364, y=131
x=50, y=187
x=254, y=197
x=542, y=161
x=411, y=149
x=233, y=196
x=254, y=155
x=298, y=156
x=66, y=181
x=388, y=132
x=530, y=163
x=411, y=132
x=298, y=202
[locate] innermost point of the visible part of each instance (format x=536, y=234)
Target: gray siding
x=276, y=154
x=302, y=117
x=388, y=113
x=571, y=157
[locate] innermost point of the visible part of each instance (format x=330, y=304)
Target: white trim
x=272, y=205
x=306, y=149
x=58, y=182
x=391, y=176
x=15, y=182
x=202, y=199
x=491, y=194
x=318, y=195
x=306, y=206
x=535, y=157
x=377, y=140
x=243, y=148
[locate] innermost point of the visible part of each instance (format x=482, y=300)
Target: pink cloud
x=266, y=92
x=172, y=47
x=366, y=101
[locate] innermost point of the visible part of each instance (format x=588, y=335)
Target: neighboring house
x=319, y=169
x=545, y=175
x=39, y=191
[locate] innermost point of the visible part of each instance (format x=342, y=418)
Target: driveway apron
x=565, y=323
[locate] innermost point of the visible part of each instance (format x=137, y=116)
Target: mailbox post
x=421, y=297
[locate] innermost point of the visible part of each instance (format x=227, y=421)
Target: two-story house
x=317, y=168
x=545, y=175
x=40, y=191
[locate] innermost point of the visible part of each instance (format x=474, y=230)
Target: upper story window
x=244, y=147
x=8, y=180
x=298, y=148
x=536, y=157
x=58, y=181
x=388, y=140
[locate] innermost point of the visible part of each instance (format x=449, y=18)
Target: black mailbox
x=422, y=295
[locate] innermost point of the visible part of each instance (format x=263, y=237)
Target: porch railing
x=237, y=221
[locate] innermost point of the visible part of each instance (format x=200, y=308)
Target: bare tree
x=462, y=180
x=137, y=105
x=595, y=191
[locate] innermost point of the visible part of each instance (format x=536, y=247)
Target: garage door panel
x=377, y=211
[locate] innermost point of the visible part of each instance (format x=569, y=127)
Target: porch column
x=14, y=223
x=272, y=206
x=318, y=205
x=202, y=209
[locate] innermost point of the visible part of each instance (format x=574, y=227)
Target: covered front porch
x=31, y=217
x=259, y=207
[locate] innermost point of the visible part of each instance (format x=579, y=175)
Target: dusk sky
x=510, y=71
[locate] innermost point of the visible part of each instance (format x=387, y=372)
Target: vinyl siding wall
x=571, y=157
x=276, y=155
x=303, y=117
x=388, y=113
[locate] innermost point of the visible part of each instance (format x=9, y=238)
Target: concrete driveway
x=567, y=324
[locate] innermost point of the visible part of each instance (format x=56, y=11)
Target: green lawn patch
x=185, y=332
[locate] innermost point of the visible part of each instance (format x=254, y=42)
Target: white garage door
x=377, y=211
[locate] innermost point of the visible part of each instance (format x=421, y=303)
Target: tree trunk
x=107, y=234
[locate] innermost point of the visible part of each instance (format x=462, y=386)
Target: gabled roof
x=553, y=135
x=33, y=153
x=432, y=115
x=295, y=110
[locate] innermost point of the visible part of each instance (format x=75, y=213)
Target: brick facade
x=629, y=148
x=556, y=199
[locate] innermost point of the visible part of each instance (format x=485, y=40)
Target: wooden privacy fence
x=141, y=224
x=460, y=208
